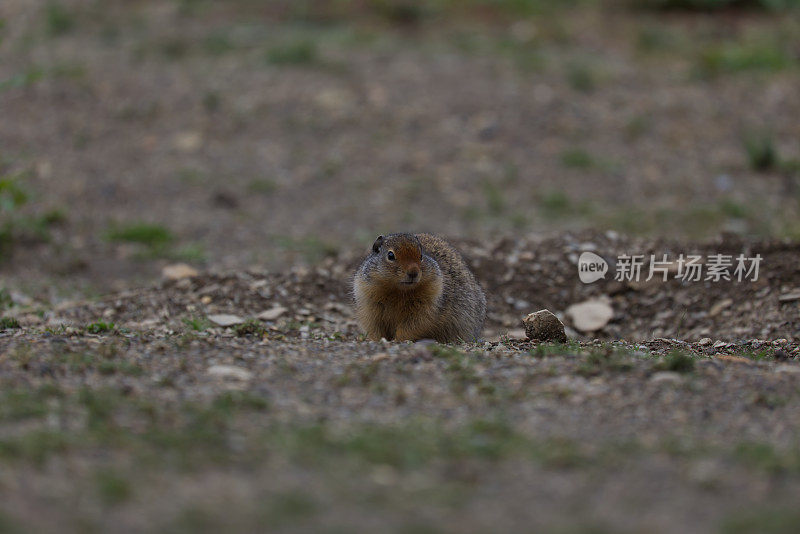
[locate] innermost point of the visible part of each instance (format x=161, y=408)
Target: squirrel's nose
x=413, y=274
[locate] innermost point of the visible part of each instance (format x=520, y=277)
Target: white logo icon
x=591, y=267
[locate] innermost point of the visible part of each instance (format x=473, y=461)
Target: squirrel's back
x=417, y=286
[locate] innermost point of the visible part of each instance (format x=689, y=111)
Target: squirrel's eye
x=390, y=256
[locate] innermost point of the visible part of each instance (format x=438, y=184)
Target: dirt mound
x=519, y=276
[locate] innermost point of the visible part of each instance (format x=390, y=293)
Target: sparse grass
x=607, y=358
x=762, y=521
x=462, y=371
x=191, y=252
x=409, y=446
x=301, y=52
x=54, y=216
x=414, y=13
x=23, y=404
x=695, y=220
x=766, y=457
x=731, y=208
x=58, y=19
x=71, y=71
x=6, y=301
x=263, y=186
x=155, y=240
x=22, y=80
x=235, y=430
x=730, y=58
x=232, y=401
x=34, y=447
x=759, y=355
x=769, y=400
x=655, y=38
x=581, y=77
x=12, y=197
x=578, y=158
x=212, y=101
x=312, y=249
x=495, y=199
x=359, y=373
x=113, y=488
x=174, y=48
x=716, y=5
x=194, y=435
x=289, y=506
x=198, y=324
x=637, y=127
x=7, y=524
x=555, y=349
x=251, y=327
x=401, y=12
x=8, y=323
x=16, y=226
x=151, y=235
x=191, y=176
x=112, y=367
x=217, y=44
x=762, y=155
x=555, y=204
x=100, y=327
x=677, y=361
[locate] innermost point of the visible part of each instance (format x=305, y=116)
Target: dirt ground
x=266, y=144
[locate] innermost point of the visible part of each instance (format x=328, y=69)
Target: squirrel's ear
x=376, y=246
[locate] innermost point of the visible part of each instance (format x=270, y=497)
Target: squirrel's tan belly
x=410, y=321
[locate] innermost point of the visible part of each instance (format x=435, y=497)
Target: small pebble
x=225, y=319
x=229, y=372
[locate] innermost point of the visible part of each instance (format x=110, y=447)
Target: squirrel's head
x=402, y=261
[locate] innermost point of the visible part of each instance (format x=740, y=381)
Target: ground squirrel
x=417, y=286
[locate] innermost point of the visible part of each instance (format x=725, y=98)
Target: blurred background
x=245, y=133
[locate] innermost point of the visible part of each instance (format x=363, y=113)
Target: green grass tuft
x=495, y=199
x=233, y=401
x=290, y=506
x=263, y=186
x=58, y=19
x=677, y=361
x=100, y=327
x=198, y=324
x=252, y=327
x=152, y=235
x=112, y=487
x=302, y=52
x=762, y=155
x=7, y=323
x=311, y=248
x=6, y=301
x=555, y=349
x=217, y=44
x=763, y=521
x=581, y=77
x=578, y=158
x=718, y=5
x=607, y=358
x=731, y=58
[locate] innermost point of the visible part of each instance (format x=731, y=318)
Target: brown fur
x=443, y=302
